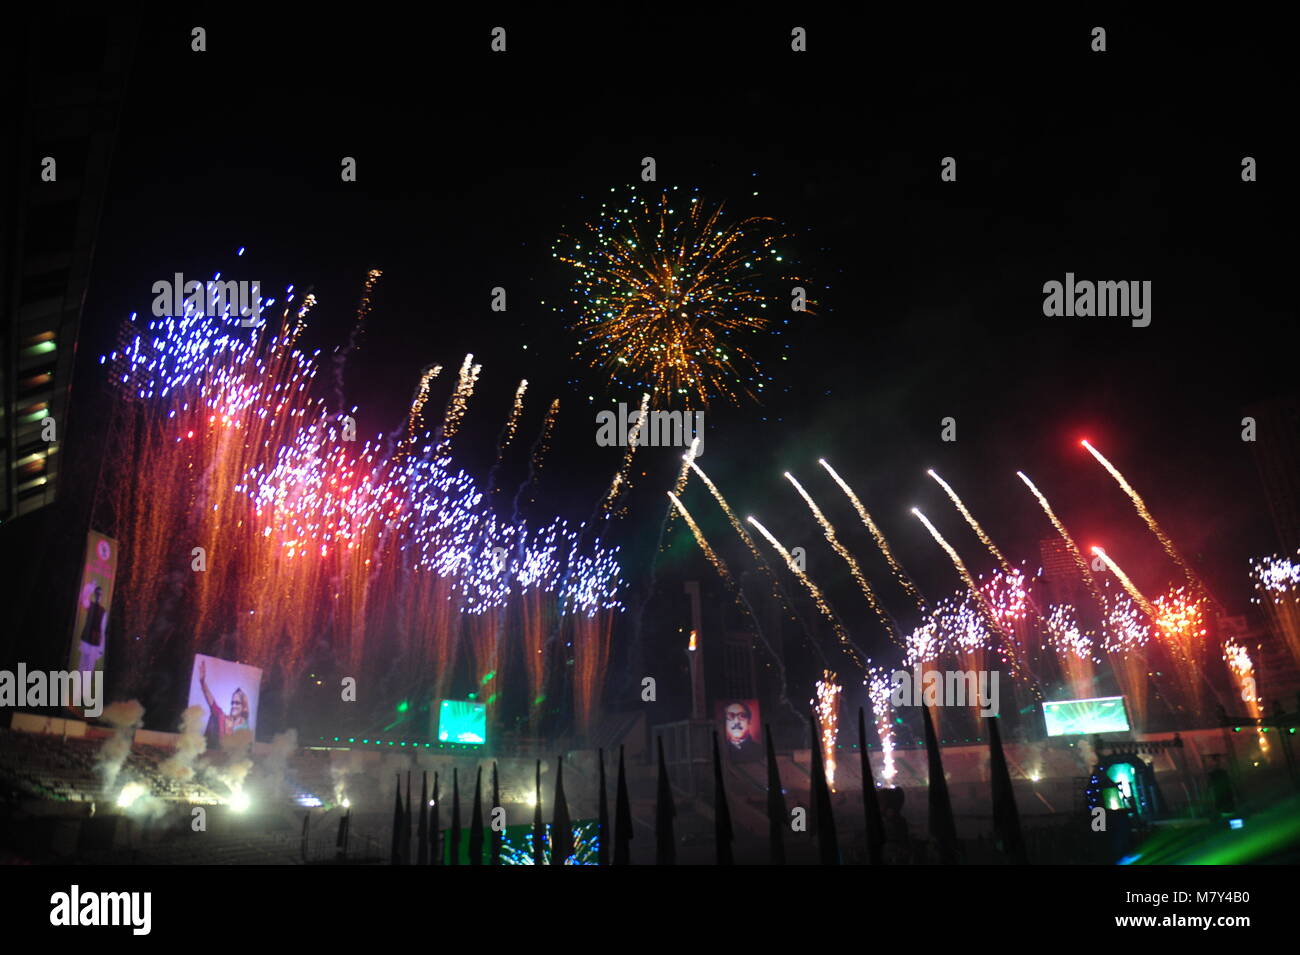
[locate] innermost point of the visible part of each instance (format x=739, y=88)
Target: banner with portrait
x=228, y=693
x=94, y=597
x=741, y=729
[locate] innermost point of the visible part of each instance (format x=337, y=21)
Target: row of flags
x=613, y=844
x=429, y=832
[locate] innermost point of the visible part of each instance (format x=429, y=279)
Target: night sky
x=1116, y=166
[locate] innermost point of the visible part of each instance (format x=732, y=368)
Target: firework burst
x=1009, y=596
x=981, y=602
x=1242, y=669
x=1074, y=649
x=1125, y=637
x=674, y=299
x=1277, y=587
x=311, y=535
x=879, y=684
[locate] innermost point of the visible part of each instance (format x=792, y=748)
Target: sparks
x=673, y=299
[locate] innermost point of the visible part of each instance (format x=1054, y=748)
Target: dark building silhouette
x=65, y=77
x=1060, y=573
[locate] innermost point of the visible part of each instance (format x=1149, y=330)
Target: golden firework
x=673, y=299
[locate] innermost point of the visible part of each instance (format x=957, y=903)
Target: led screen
x=460, y=721
x=1078, y=717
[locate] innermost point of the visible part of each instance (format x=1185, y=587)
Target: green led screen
x=1078, y=717
x=462, y=721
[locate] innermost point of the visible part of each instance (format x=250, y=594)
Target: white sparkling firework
x=827, y=707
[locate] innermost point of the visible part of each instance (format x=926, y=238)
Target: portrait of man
x=94, y=602
x=93, y=631
x=740, y=725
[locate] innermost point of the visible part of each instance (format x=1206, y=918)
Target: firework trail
x=970, y=519
x=687, y=460
x=731, y=516
x=341, y=356
x=815, y=592
x=622, y=482
x=1128, y=585
x=1084, y=570
x=415, y=414
x=714, y=559
x=1012, y=628
x=878, y=537
x=507, y=435
x=1193, y=581
x=672, y=297
x=459, y=400
x=833, y=539
x=537, y=454
x=680, y=485
x=721, y=567
x=777, y=590
x=971, y=586
x=827, y=707
x=669, y=512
